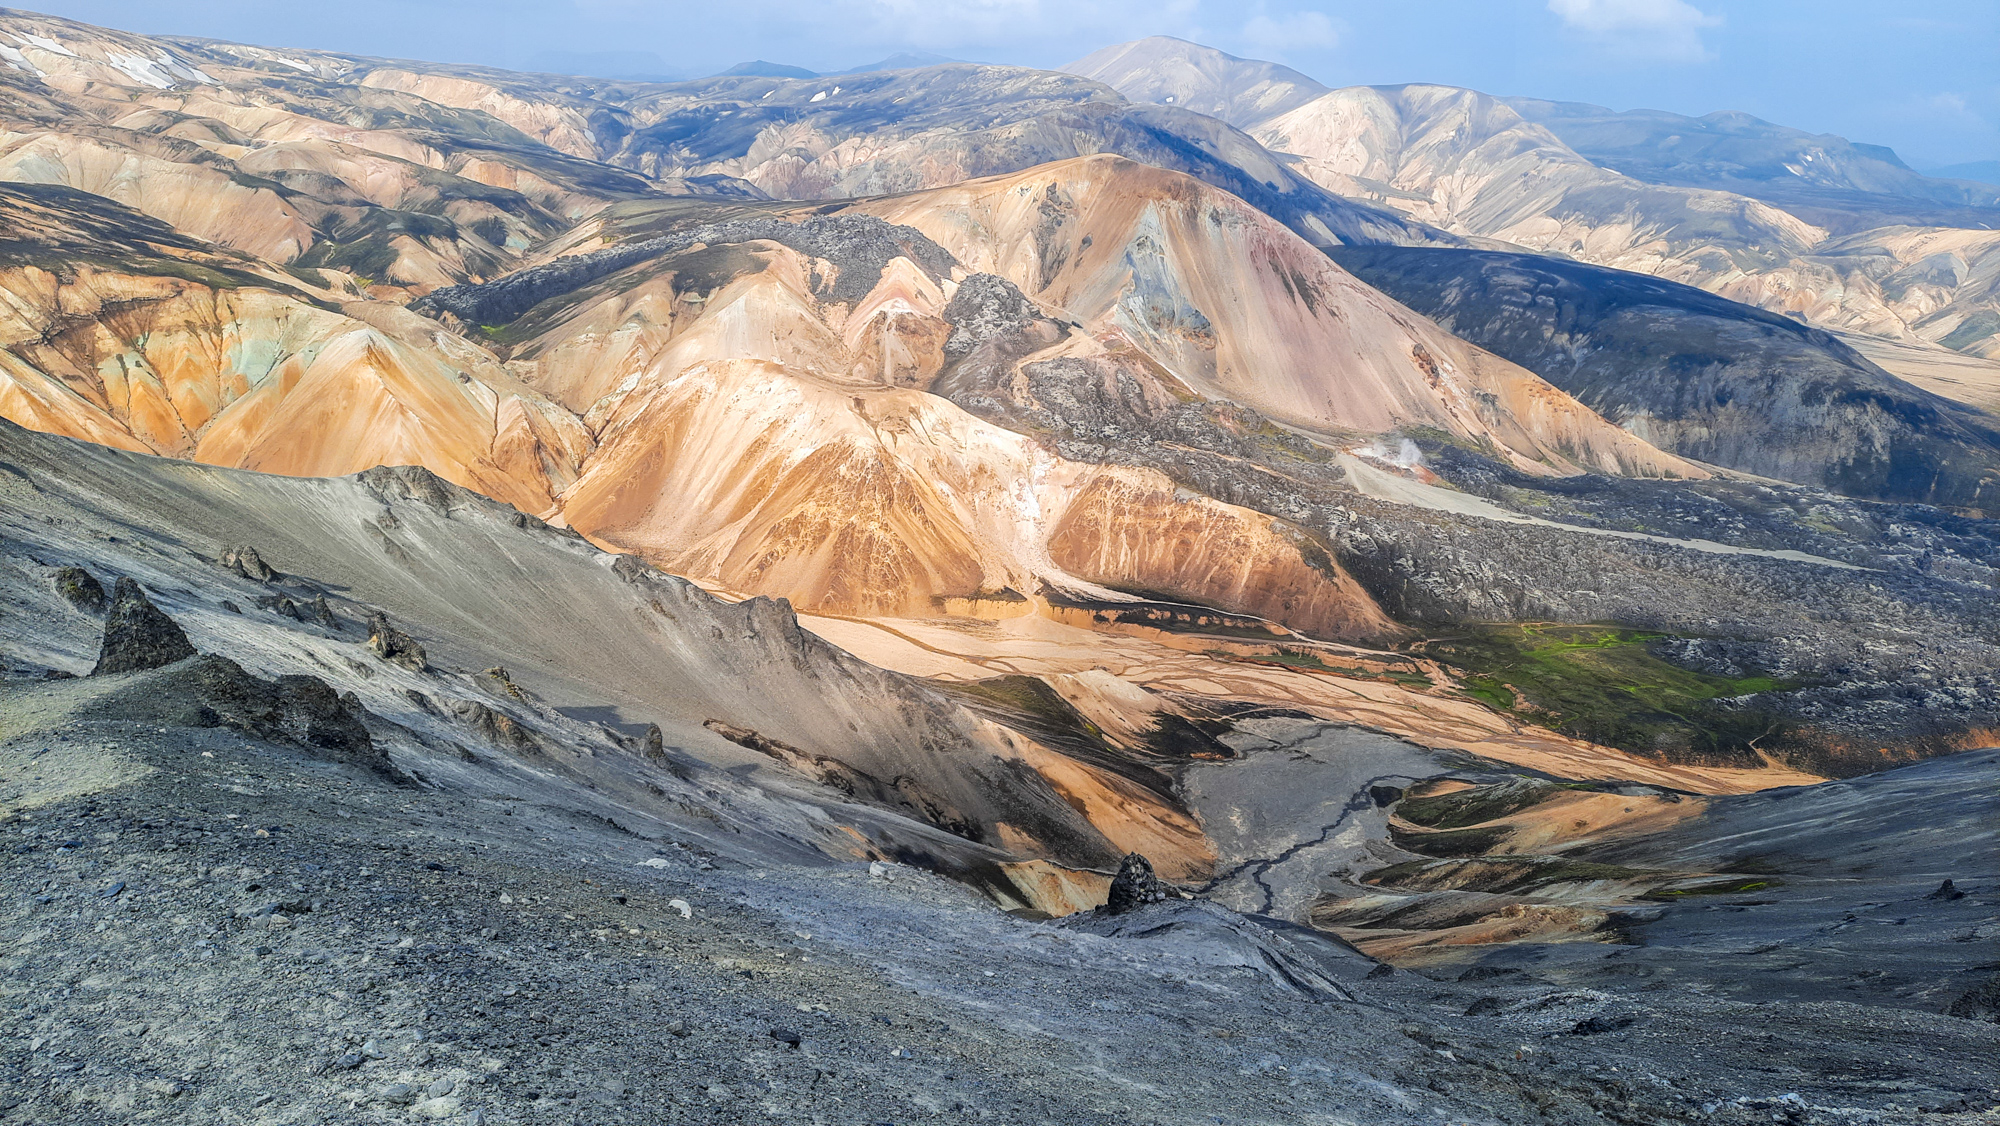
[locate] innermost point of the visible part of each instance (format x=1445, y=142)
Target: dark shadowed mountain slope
x=1703, y=376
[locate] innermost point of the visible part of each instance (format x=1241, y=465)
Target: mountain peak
x=902, y=60
x=758, y=68
x=1169, y=71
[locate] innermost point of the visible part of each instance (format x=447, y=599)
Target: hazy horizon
x=1922, y=84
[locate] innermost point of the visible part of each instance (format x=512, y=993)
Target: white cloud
x=1669, y=30
x=1951, y=104
x=1298, y=30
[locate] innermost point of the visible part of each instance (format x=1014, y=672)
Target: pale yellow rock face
x=1137, y=530
x=767, y=441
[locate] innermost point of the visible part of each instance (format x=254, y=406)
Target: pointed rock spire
x=139, y=635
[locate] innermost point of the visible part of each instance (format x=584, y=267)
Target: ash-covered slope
x=307, y=940
x=1702, y=376
x=1167, y=71
x=576, y=634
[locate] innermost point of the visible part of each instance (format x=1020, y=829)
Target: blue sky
x=1922, y=77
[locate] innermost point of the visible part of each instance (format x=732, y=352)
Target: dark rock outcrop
x=322, y=614
x=1981, y=1002
x=392, y=483
x=497, y=728
x=139, y=635
x=214, y=691
x=245, y=561
x=80, y=589
x=395, y=646
x=1135, y=885
x=319, y=717
x=656, y=743
x=985, y=307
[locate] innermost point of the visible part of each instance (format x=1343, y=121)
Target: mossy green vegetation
x=1290, y=658
x=1604, y=684
x=1714, y=887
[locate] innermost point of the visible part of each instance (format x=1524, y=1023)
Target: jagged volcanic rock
x=80, y=589
x=395, y=646
x=139, y=635
x=1135, y=885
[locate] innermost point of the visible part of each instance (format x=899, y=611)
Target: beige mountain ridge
x=1469, y=163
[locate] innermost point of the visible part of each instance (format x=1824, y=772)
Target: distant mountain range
x=905, y=60
x=1844, y=235
x=1984, y=171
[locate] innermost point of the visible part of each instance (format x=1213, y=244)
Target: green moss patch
x=1714, y=887
x=1604, y=684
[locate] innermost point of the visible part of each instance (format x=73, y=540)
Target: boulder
x=497, y=728
x=80, y=589
x=245, y=561
x=213, y=691
x=1135, y=885
x=322, y=614
x=139, y=635
x=395, y=646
